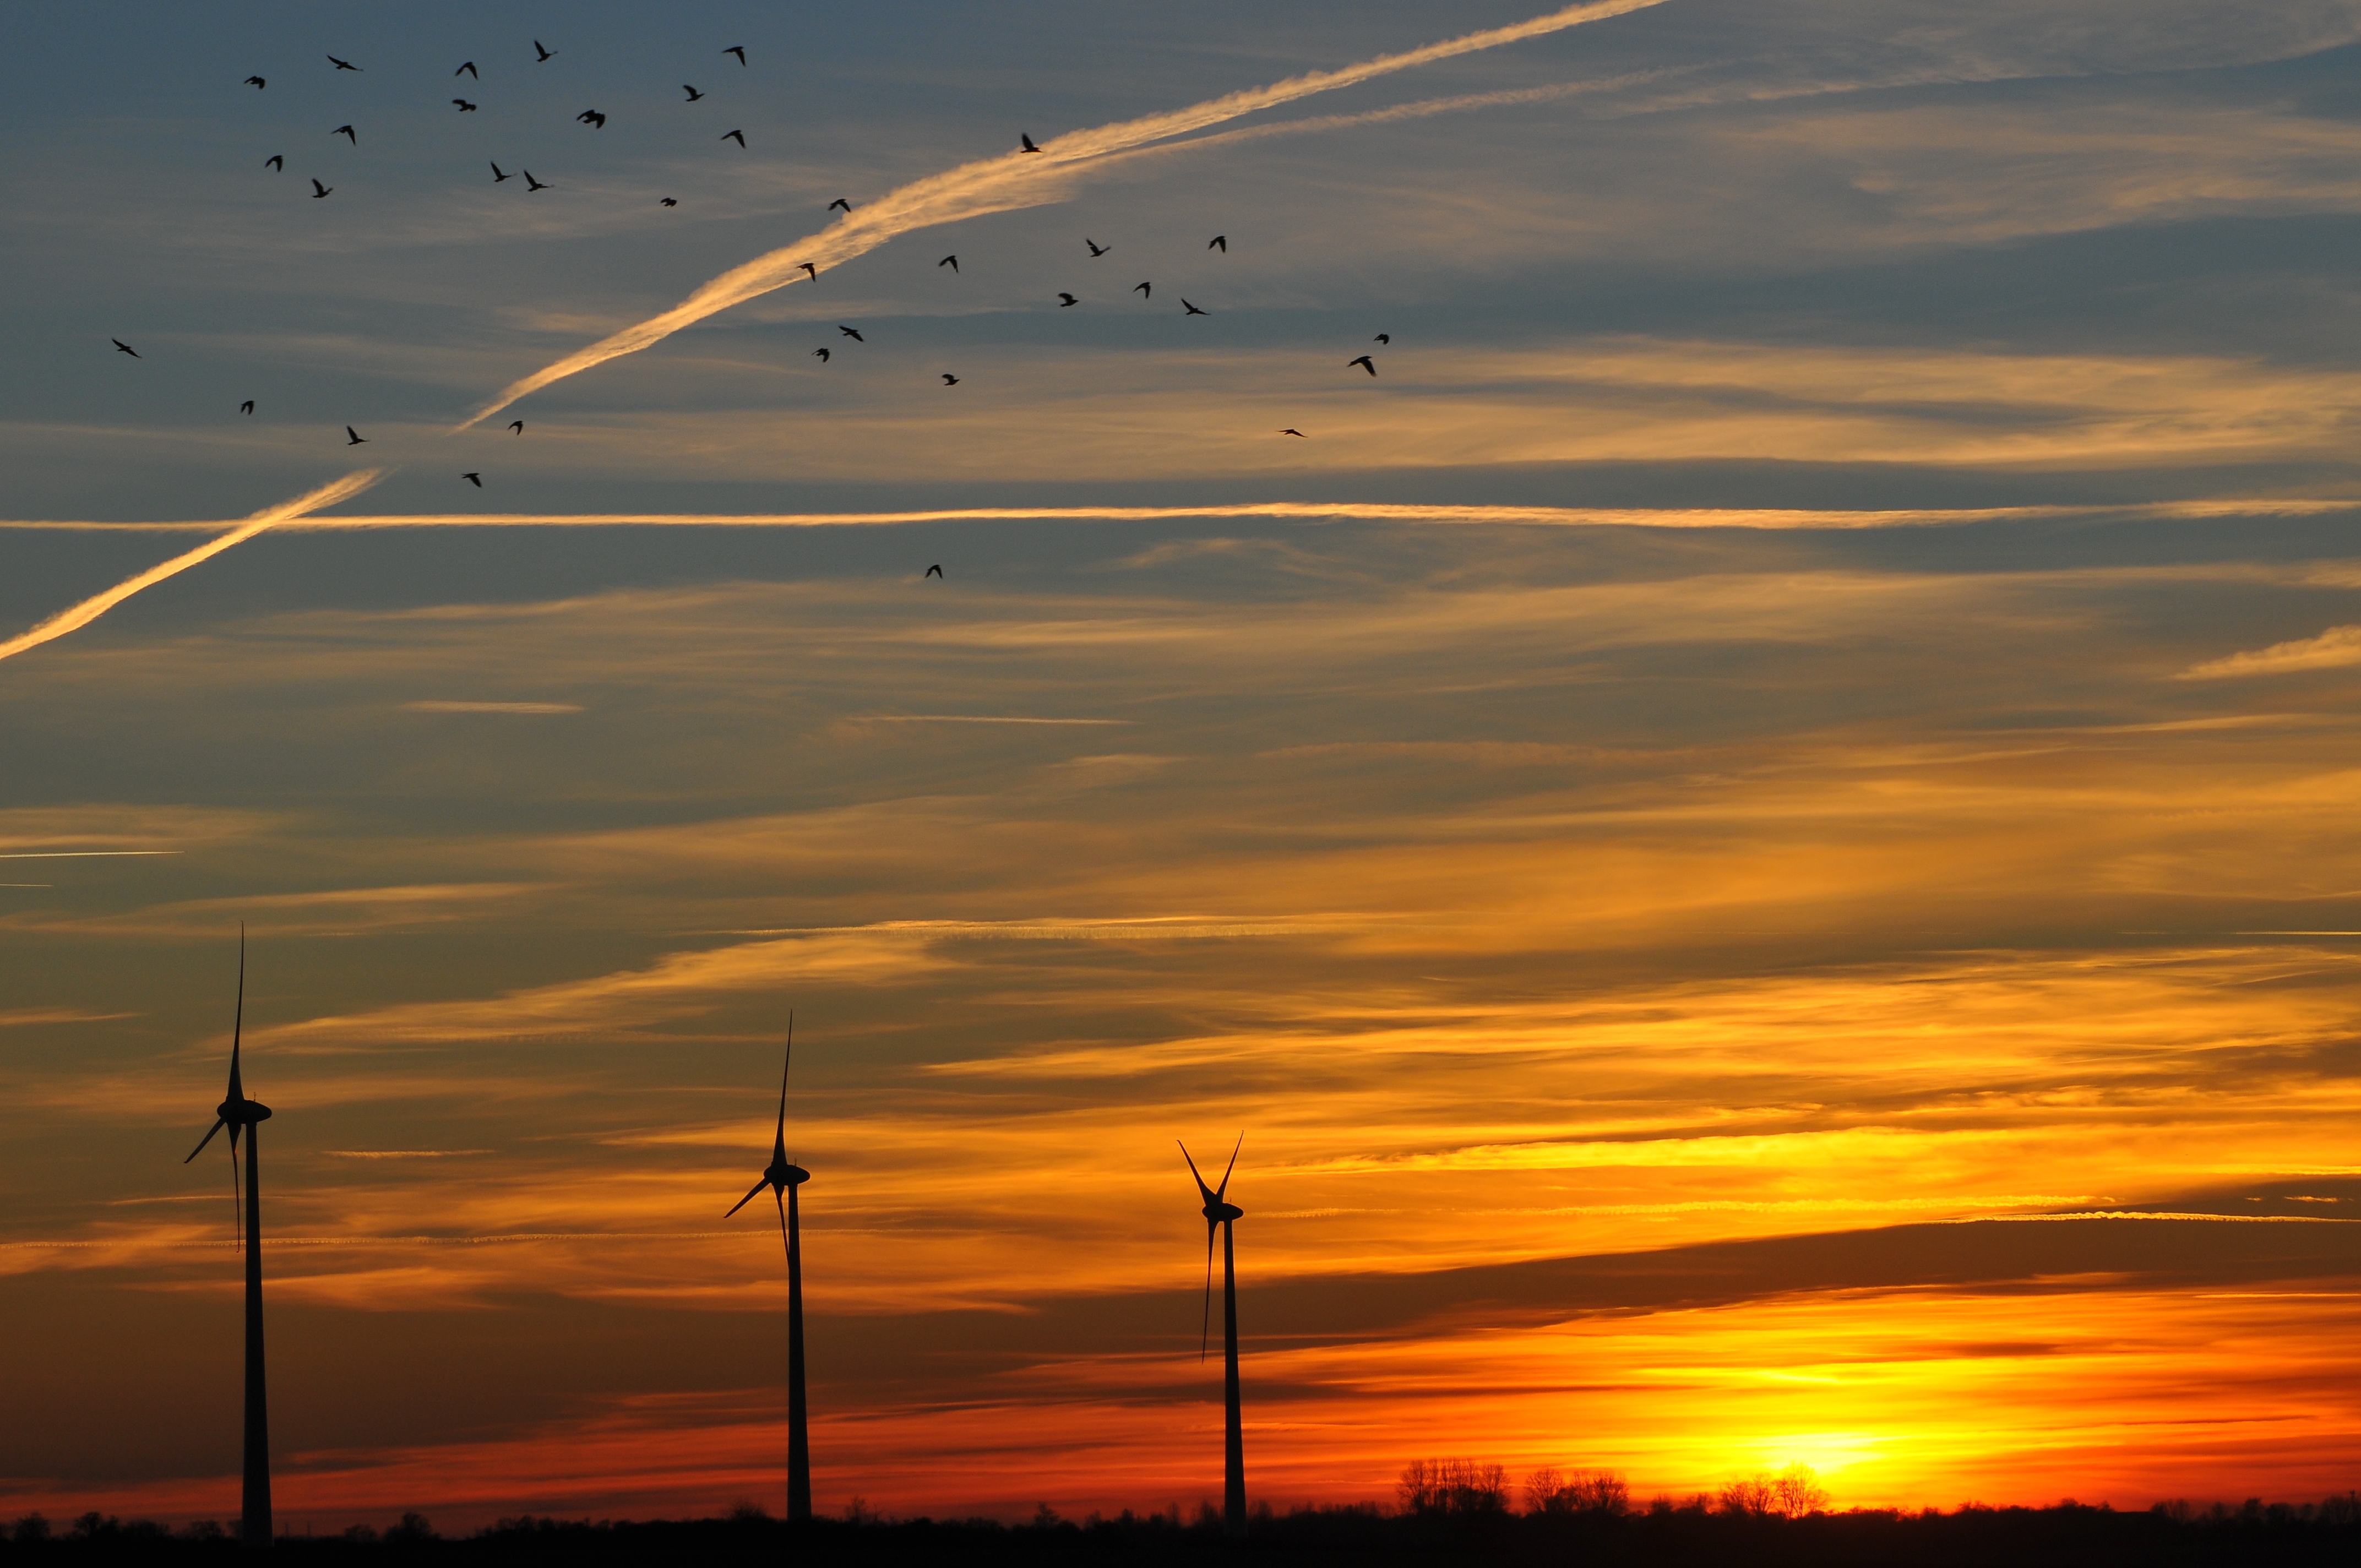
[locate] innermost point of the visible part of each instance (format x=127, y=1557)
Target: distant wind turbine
x=240, y=1114
x=783, y=1178
x=1220, y=1214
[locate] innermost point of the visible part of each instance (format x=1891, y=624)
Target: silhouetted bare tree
x=1598, y=1492
x=1792, y=1493
x=1799, y=1492
x=1459, y=1486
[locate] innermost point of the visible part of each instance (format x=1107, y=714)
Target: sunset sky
x=1761, y=833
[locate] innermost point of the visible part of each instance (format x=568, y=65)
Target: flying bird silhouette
x=1027, y=140
x=469, y=67
x=319, y=190
x=592, y=118
x=341, y=64
x=933, y=571
x=1220, y=242
x=1383, y=338
x=256, y=83
x=474, y=479
x=666, y=202
x=465, y=107
x=246, y=407
x=1363, y=362
x=1065, y=299
x=821, y=354
x=276, y=160
x=693, y=94
x=1290, y=429
x=533, y=184
x=738, y=136
x=354, y=437
x=498, y=176
x=1144, y=291
x=850, y=333
x=347, y=132
x=950, y=379
x=123, y=347
x=950, y=261
x=541, y=54
x=1188, y=309
x=1096, y=249
x=841, y=202
x=516, y=427
x=738, y=49
x=810, y=269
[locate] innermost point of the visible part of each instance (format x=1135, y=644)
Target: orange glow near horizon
x=1909, y=1400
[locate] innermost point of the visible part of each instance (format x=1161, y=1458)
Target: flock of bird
x=596, y=120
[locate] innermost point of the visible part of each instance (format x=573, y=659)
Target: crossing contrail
x=1798, y=518
x=91, y=608
x=1011, y=181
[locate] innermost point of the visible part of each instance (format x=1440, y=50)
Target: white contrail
x=1367, y=511
x=1424, y=108
x=1010, y=180
x=91, y=608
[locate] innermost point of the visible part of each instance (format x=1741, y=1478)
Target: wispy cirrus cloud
x=455, y=705
x=2334, y=649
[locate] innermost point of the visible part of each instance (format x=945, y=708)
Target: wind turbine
x=240, y=1114
x=783, y=1178
x=1220, y=1215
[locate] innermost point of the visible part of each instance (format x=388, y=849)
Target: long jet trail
x=91, y=608
x=1310, y=511
x=1011, y=181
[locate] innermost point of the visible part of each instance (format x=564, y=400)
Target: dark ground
x=2009, y=1538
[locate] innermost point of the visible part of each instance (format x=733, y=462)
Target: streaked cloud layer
x=1758, y=832
x=1021, y=178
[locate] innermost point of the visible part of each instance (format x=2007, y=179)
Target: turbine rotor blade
x=219, y=1124
x=749, y=1196
x=238, y=1020
x=1192, y=1170
x=779, y=1138
x=1205, y=1322
x=1223, y=1190
x=788, y=1246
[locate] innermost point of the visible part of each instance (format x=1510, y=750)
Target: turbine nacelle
x=1217, y=1209
x=236, y=1114
x=236, y=1111
x=781, y=1174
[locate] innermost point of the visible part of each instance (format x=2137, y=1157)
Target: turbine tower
x=1220, y=1214
x=783, y=1178
x=240, y=1114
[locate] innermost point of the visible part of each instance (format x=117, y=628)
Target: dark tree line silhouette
x=1450, y=1511
x=1471, y=1488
